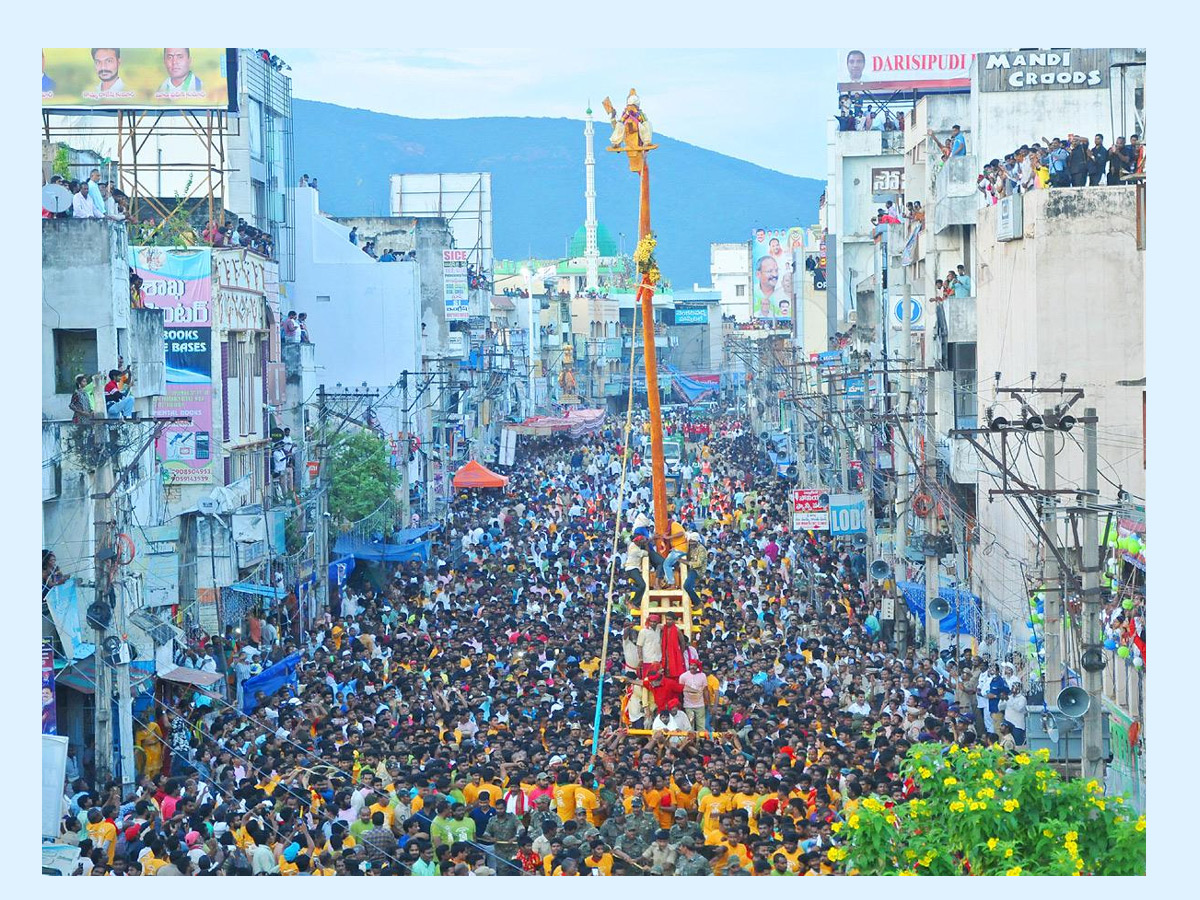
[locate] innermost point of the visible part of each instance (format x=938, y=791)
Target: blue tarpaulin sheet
x=261, y=590
x=373, y=551
x=965, y=608
x=269, y=681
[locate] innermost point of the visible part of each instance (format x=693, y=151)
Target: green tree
x=361, y=476
x=984, y=812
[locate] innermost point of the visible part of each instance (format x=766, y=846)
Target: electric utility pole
x=1093, y=736
x=1052, y=585
x=104, y=554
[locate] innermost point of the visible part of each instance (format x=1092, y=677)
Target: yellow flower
x=1015, y=870
x=906, y=872
x=1099, y=804
x=992, y=842
x=989, y=775
x=910, y=854
x=962, y=795
x=957, y=806
x=1079, y=864
x=954, y=749
x=1071, y=836
x=1022, y=759
x=1092, y=786
x=853, y=823
x=924, y=772
x=890, y=819
x=949, y=781
x=1047, y=832
x=1008, y=853
x=1010, y=805
x=1043, y=754
x=1072, y=848
x=835, y=827
x=1118, y=799
x=972, y=805
x=1140, y=826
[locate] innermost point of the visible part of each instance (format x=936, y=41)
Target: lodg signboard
x=1037, y=70
x=810, y=509
x=847, y=514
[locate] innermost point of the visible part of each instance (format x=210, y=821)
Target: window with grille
x=961, y=357
x=74, y=354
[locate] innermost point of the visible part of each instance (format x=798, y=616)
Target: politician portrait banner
x=772, y=272
x=136, y=77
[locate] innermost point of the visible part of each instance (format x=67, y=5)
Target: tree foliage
x=361, y=476
x=984, y=812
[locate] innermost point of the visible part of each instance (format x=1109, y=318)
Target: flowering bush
x=983, y=812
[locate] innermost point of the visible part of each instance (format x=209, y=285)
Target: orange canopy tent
x=474, y=475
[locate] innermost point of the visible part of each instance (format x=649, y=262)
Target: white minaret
x=592, y=253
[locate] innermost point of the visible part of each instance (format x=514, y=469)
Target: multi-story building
x=101, y=483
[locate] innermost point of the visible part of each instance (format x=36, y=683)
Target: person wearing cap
x=629, y=848
x=660, y=853
x=689, y=862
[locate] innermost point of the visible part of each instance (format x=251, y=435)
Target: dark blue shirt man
x=1098, y=162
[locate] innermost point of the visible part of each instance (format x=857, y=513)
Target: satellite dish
x=56, y=198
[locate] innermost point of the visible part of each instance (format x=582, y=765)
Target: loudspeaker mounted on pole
x=880, y=570
x=939, y=608
x=1073, y=701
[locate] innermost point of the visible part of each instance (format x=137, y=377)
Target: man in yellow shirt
x=599, y=858
x=564, y=797
x=103, y=833
x=712, y=805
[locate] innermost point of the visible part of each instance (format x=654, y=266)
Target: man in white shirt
x=671, y=718
x=180, y=77
x=1014, y=712
x=695, y=694
x=983, y=720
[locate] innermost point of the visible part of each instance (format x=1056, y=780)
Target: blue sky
x=724, y=100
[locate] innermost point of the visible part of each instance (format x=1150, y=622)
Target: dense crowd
x=442, y=717
x=1071, y=161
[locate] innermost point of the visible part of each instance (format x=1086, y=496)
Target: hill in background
x=698, y=196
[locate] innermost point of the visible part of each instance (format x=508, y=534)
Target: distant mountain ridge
x=698, y=196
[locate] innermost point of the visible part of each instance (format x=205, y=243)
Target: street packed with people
x=443, y=719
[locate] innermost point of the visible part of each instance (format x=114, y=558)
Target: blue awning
x=965, y=608
x=374, y=551
x=261, y=590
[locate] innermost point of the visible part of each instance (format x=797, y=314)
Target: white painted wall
x=1069, y=297
x=369, y=328
x=729, y=265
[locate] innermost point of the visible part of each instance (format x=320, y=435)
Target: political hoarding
x=772, y=275
x=904, y=70
x=810, y=509
x=455, y=289
x=138, y=78
x=179, y=282
x=847, y=514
